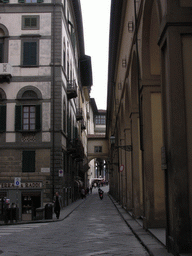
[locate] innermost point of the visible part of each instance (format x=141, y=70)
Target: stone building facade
x=149, y=114
x=45, y=80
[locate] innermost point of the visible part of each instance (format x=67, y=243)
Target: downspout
x=139, y=101
x=138, y=79
x=53, y=102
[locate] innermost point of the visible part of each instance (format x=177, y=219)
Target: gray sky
x=96, y=16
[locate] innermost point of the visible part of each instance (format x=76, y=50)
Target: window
x=4, y=1
x=28, y=161
x=30, y=1
x=30, y=53
x=1, y=51
x=28, y=118
x=2, y=118
x=100, y=119
x=98, y=149
x=30, y=22
x=64, y=116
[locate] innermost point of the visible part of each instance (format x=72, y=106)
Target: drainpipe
x=53, y=106
x=138, y=78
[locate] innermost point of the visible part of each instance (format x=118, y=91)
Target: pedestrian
x=83, y=193
x=57, y=204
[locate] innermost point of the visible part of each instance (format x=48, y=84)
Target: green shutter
x=18, y=118
x=69, y=127
x=5, y=1
x=39, y=1
x=1, y=52
x=73, y=40
x=38, y=117
x=28, y=161
x=3, y=118
x=30, y=53
x=27, y=22
x=21, y=1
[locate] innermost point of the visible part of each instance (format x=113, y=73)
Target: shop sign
x=22, y=185
x=45, y=170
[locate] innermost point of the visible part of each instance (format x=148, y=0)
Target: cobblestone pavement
x=94, y=228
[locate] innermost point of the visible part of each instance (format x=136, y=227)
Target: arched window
x=3, y=44
x=64, y=55
x=28, y=114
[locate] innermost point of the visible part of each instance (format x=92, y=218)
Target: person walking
x=57, y=204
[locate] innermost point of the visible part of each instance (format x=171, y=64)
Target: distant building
x=96, y=136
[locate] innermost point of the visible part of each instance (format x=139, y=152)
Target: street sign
x=121, y=168
x=17, y=182
x=60, y=173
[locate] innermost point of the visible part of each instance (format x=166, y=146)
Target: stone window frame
x=37, y=17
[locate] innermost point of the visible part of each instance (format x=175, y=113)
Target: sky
x=96, y=17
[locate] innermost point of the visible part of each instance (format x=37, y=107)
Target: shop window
x=28, y=161
x=98, y=149
x=30, y=202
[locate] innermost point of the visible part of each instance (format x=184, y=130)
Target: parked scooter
x=100, y=191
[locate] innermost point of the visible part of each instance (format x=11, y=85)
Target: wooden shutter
x=28, y=161
x=18, y=118
x=38, y=117
x=30, y=53
x=2, y=118
x=1, y=52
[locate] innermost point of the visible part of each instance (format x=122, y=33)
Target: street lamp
x=126, y=147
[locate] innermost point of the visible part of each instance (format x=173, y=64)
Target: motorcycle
x=100, y=193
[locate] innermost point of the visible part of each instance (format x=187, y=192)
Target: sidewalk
x=65, y=212
x=152, y=241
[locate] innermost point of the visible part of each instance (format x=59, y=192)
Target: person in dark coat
x=57, y=204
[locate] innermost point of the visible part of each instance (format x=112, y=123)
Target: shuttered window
x=28, y=161
x=30, y=22
x=1, y=53
x=30, y=53
x=28, y=118
x=2, y=118
x=30, y=1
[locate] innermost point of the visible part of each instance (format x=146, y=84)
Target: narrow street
x=94, y=228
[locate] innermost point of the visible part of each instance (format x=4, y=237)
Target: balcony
x=71, y=89
x=5, y=72
x=79, y=114
x=83, y=125
x=76, y=149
